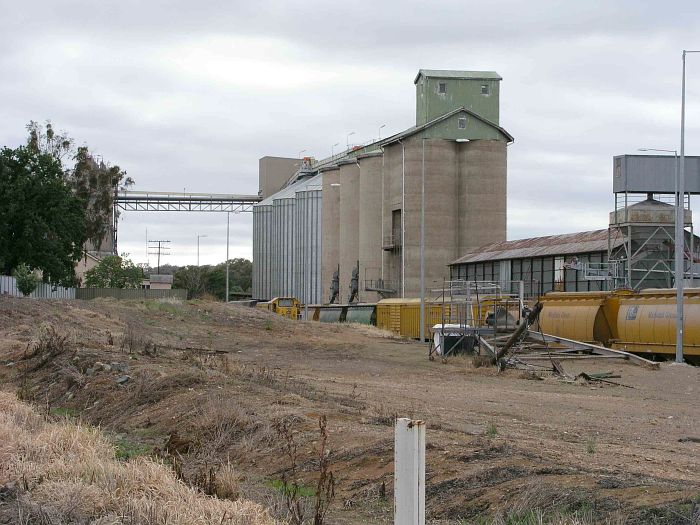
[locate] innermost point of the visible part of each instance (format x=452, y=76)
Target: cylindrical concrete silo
x=348, y=239
x=330, y=213
x=307, y=254
x=392, y=171
x=370, y=222
x=482, y=193
x=434, y=162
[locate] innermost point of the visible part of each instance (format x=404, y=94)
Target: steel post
x=228, y=216
x=422, y=247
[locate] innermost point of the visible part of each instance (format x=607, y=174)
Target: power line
x=159, y=248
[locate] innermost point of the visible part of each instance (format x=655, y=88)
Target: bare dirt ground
x=203, y=384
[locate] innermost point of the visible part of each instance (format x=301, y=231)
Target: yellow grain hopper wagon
x=583, y=316
x=402, y=316
x=646, y=322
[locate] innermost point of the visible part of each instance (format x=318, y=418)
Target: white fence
x=8, y=286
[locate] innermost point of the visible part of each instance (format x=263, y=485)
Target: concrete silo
x=349, y=235
x=482, y=193
x=370, y=225
x=330, y=214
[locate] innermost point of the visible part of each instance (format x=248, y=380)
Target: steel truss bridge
x=128, y=200
x=169, y=201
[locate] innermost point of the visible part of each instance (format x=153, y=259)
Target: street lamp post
x=679, y=241
x=333, y=149
x=198, y=237
x=347, y=139
x=228, y=217
x=680, y=218
x=300, y=153
x=380, y=131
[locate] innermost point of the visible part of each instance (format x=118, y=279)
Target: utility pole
x=228, y=215
x=159, y=248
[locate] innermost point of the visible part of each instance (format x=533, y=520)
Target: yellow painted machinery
x=646, y=322
x=288, y=307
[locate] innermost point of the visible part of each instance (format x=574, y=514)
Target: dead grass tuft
x=68, y=473
x=373, y=331
x=228, y=483
x=49, y=344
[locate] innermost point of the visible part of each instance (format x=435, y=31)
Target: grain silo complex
x=348, y=227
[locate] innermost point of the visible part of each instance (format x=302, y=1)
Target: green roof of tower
x=450, y=73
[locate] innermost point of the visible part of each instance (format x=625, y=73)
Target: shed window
x=462, y=123
x=442, y=87
x=485, y=89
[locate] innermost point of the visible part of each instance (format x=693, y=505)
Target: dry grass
x=68, y=473
x=372, y=331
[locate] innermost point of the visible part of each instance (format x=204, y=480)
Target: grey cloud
x=582, y=82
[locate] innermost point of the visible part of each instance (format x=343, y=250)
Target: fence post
x=409, y=472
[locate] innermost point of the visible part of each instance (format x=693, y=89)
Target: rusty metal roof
x=569, y=243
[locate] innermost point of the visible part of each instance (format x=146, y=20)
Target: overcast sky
x=189, y=95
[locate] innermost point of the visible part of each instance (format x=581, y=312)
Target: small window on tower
x=442, y=87
x=484, y=89
x=462, y=122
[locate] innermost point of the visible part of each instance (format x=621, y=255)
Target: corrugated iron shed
x=569, y=243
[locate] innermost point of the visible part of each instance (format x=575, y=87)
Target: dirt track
x=495, y=441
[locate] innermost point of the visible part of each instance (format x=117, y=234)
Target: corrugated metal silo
x=262, y=241
x=283, y=245
x=308, y=236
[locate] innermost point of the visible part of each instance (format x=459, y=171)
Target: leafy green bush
x=114, y=272
x=26, y=280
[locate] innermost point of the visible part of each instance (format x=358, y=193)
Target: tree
x=42, y=224
x=240, y=277
x=198, y=280
x=44, y=139
x=94, y=183
x=26, y=280
x=193, y=279
x=114, y=272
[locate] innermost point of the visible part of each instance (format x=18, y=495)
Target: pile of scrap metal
x=524, y=348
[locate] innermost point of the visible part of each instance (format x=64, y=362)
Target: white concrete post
x=409, y=472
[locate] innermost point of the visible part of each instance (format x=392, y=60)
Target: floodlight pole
x=422, y=246
x=680, y=228
x=228, y=216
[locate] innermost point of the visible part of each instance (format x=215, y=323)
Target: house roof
x=569, y=243
x=416, y=129
x=447, y=73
